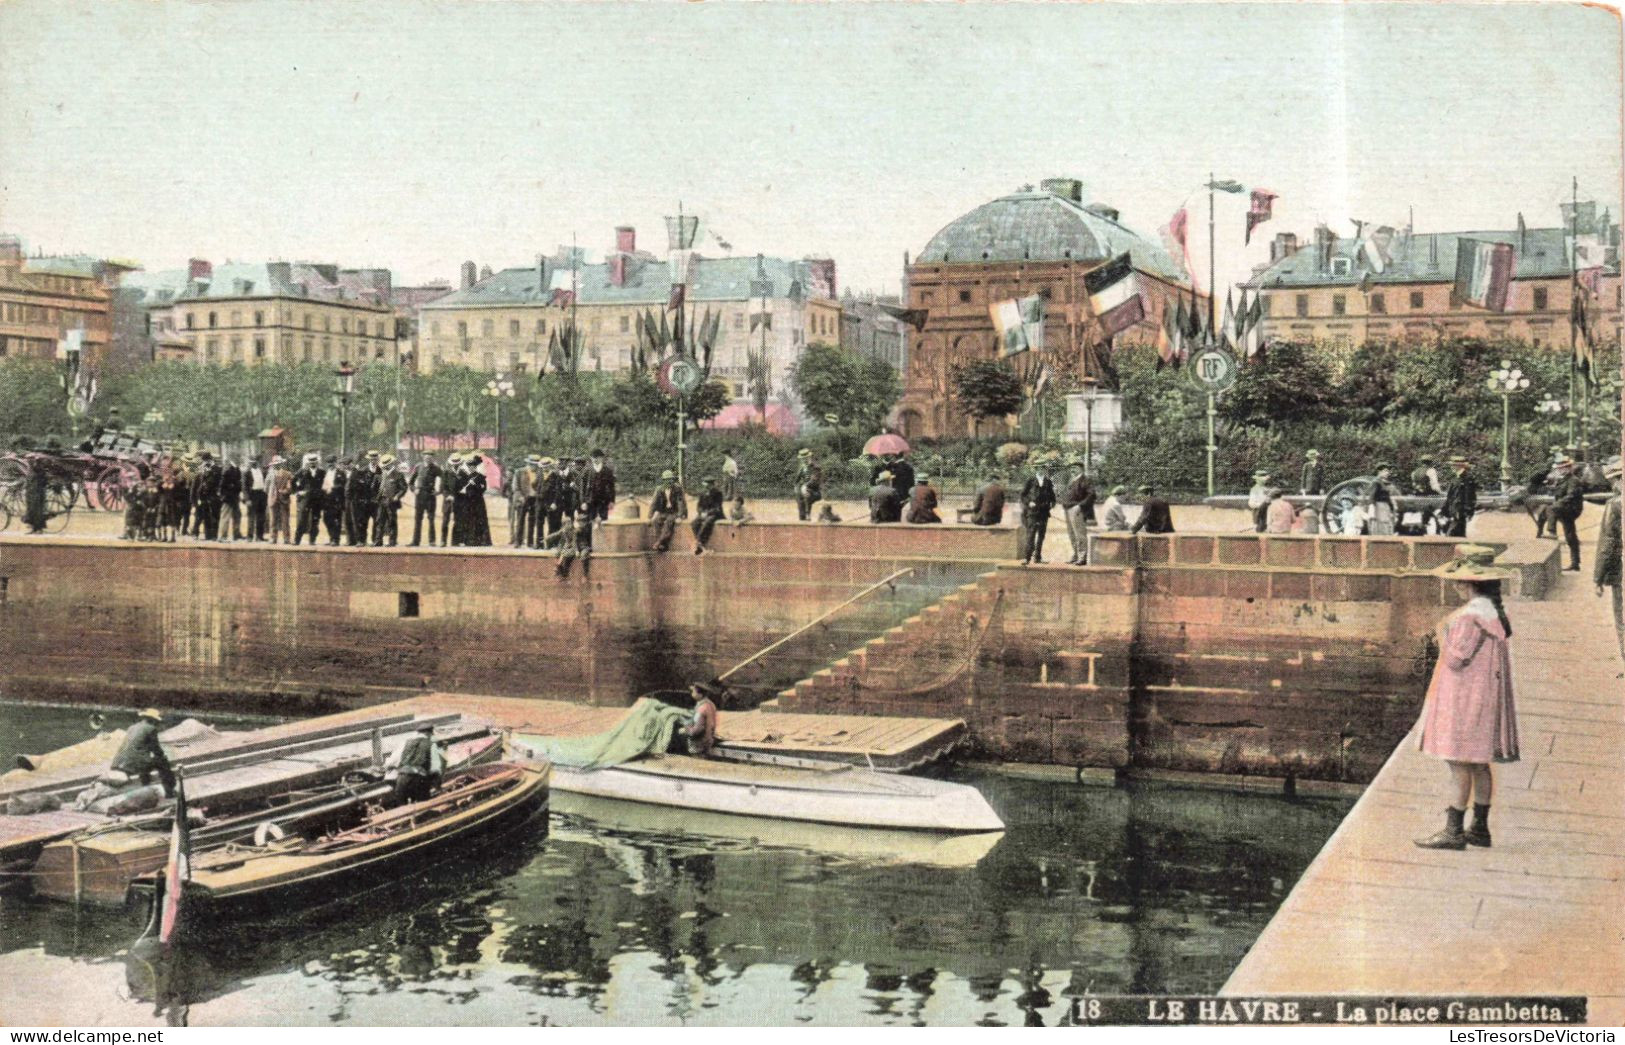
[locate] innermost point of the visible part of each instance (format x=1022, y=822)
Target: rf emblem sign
x=679, y=376
x=1214, y=369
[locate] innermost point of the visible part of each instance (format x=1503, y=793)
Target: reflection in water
x=1141, y=890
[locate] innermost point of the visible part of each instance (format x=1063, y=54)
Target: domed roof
x=1042, y=226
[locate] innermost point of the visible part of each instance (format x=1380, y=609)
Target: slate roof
x=240, y=279
x=1424, y=257
x=81, y=267
x=648, y=282
x=1041, y=226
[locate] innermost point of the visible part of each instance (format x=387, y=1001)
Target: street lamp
x=345, y=387
x=1504, y=382
x=499, y=388
x=1091, y=389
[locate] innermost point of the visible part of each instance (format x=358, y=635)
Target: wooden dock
x=890, y=743
x=1540, y=913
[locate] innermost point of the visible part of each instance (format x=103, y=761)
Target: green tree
x=32, y=401
x=859, y=390
x=986, y=388
x=1292, y=383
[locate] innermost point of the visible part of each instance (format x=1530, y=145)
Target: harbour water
x=642, y=916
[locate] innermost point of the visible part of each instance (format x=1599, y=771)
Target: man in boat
x=701, y=731
x=418, y=774
x=141, y=755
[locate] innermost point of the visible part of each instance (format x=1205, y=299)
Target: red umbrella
x=886, y=443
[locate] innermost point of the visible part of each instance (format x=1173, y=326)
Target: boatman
x=141, y=755
x=418, y=774
x=701, y=731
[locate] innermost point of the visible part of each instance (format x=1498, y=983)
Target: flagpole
x=1212, y=267
x=1574, y=286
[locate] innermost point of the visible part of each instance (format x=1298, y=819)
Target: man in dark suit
x=1155, y=515
x=902, y=478
x=257, y=479
x=667, y=506
x=206, y=499
x=1460, y=497
x=809, y=483
x=424, y=484
x=1078, y=503
x=335, y=495
x=418, y=773
x=307, y=486
x=707, y=510
x=1037, y=498
x=141, y=755
x=1568, y=501
x=231, y=494
x=448, y=496
x=988, y=509
x=884, y=504
x=387, y=504
x=600, y=487
x=361, y=499
x=553, y=503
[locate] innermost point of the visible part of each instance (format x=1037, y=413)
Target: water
x=661, y=918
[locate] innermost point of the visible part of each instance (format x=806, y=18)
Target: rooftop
x=248, y=279
x=1420, y=257
x=648, y=282
x=1038, y=225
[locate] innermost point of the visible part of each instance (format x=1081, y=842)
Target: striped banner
x=1483, y=273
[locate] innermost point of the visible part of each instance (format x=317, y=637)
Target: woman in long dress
x=1469, y=719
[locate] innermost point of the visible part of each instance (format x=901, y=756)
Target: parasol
x=886, y=443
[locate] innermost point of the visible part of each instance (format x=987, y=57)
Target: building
x=1030, y=242
x=1326, y=290
x=268, y=312
x=505, y=322
x=43, y=298
x=869, y=329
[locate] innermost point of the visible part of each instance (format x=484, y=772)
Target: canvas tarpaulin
x=647, y=727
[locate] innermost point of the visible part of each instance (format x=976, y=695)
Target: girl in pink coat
x=1469, y=719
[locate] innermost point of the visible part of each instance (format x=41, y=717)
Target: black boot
x=1452, y=837
x=1479, y=832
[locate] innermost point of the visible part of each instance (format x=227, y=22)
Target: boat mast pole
x=816, y=620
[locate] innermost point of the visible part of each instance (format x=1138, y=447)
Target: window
x=212, y=321
x=1302, y=304
x=211, y=348
x=490, y=361
x=344, y=324
x=327, y=350
x=739, y=321
x=1540, y=299
x=462, y=328
x=236, y=348
x=541, y=326
x=1340, y=266
x=626, y=324
x=407, y=604
x=259, y=318
x=486, y=326
x=1339, y=304
x=928, y=297
x=1379, y=304
x=327, y=323
x=259, y=348
x=189, y=319
x=964, y=297
x=1416, y=300
x=310, y=348
x=1264, y=306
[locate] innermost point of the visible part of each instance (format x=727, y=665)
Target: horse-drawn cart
x=98, y=474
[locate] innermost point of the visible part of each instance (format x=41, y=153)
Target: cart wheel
x=1341, y=499
x=60, y=498
x=12, y=471
x=110, y=490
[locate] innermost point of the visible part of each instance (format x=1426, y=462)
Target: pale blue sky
x=414, y=133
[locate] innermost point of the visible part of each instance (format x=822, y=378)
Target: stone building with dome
x=1035, y=241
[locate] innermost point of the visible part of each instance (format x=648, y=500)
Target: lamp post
x=499, y=388
x=1505, y=382
x=344, y=386
x=1091, y=389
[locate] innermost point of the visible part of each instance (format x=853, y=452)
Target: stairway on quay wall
x=1209, y=653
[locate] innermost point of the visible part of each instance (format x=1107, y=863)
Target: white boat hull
x=842, y=796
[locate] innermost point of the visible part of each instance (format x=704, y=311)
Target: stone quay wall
x=1223, y=652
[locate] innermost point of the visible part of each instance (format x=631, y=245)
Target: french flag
x=1114, y=295
x=1483, y=273
x=178, y=868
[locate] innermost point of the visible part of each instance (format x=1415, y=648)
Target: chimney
x=626, y=239
x=617, y=270
x=469, y=278
x=822, y=271
x=1284, y=245
x=1066, y=188
x=1105, y=210
x=541, y=274
x=485, y=271
x=1324, y=238
x=197, y=268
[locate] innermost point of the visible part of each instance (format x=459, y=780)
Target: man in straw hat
x=1568, y=501
x=1313, y=480
x=1460, y=497
x=667, y=506
x=809, y=483
x=1258, y=499
x=1037, y=499
x=1078, y=506
x=1470, y=719
x=1607, y=571
x=884, y=504
x=307, y=484
x=141, y=755
x=387, y=506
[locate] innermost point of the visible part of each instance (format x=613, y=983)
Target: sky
x=415, y=134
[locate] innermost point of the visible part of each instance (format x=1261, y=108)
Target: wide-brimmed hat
x=533, y=458
x=884, y=477
x=668, y=474
x=1260, y=476
x=547, y=462
x=277, y=460
x=1384, y=466
x=1311, y=453
x=804, y=452
x=372, y=455
x=152, y=713
x=1458, y=459
x=1117, y=491
x=387, y=460
x=922, y=478
x=1147, y=488
x=1474, y=562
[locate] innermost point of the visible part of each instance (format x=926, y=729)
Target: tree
x=986, y=388
x=33, y=402
x=860, y=391
x=1292, y=384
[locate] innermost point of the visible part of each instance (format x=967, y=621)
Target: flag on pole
x=1228, y=323
x=1226, y=185
x=1241, y=320
x=761, y=319
x=1483, y=273
x=1255, y=326
x=1378, y=247
x=1020, y=323
x=1263, y=202
x=1194, y=324
x=178, y=869
x=1167, y=338
x=1114, y=295
x=675, y=301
